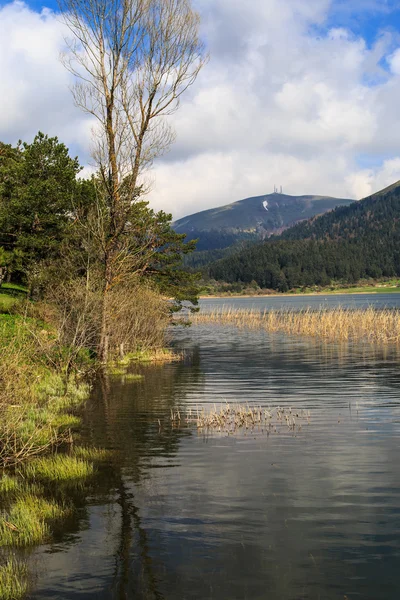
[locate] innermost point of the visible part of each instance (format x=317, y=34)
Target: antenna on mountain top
x=281, y=190
x=274, y=189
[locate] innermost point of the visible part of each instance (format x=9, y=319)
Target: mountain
x=252, y=218
x=378, y=213
x=352, y=242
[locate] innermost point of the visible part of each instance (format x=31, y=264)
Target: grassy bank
x=222, y=290
x=338, y=324
x=39, y=414
x=41, y=397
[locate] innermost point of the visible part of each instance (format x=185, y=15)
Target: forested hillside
x=348, y=244
x=376, y=214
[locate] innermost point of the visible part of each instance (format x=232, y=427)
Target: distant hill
x=361, y=240
x=376, y=214
x=252, y=218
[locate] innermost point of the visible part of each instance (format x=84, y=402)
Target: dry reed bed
x=334, y=324
x=234, y=418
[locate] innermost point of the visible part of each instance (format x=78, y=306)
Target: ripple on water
x=181, y=514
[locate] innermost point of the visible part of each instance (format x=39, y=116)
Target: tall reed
x=334, y=324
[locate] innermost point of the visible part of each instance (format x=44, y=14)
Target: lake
x=177, y=514
x=381, y=300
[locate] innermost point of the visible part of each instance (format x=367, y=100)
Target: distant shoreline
x=330, y=293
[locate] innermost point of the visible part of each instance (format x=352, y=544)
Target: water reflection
x=178, y=515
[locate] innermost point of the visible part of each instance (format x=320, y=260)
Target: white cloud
x=34, y=92
x=368, y=181
x=394, y=62
x=279, y=103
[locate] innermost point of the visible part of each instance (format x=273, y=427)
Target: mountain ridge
x=255, y=217
x=345, y=222
x=359, y=241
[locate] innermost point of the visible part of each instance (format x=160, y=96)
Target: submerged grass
x=159, y=355
x=13, y=580
x=334, y=324
x=58, y=468
x=92, y=454
x=26, y=522
x=133, y=377
x=234, y=418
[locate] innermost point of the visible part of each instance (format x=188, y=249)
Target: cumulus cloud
x=285, y=99
x=34, y=86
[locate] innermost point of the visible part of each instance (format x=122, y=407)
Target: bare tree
x=133, y=59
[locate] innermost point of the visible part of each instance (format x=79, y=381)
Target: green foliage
x=5, y=259
x=75, y=245
x=37, y=189
x=217, y=240
x=162, y=252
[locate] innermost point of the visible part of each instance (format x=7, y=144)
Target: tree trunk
x=104, y=334
x=104, y=342
x=3, y=273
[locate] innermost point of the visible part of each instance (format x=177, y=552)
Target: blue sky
x=299, y=93
x=366, y=18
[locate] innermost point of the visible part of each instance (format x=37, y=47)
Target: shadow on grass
x=11, y=293
x=14, y=290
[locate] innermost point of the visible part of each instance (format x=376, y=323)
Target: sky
x=299, y=93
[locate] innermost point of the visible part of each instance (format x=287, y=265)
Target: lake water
x=381, y=300
x=176, y=514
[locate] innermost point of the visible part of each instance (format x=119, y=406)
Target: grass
x=13, y=580
x=92, y=454
x=37, y=407
x=38, y=413
x=232, y=418
x=30, y=513
x=120, y=369
x=9, y=485
x=10, y=294
x=6, y=302
x=26, y=522
x=133, y=377
x=371, y=325
x=58, y=468
x=14, y=288
x=116, y=371
x=159, y=355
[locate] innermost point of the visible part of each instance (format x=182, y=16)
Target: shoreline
x=379, y=328
x=330, y=293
